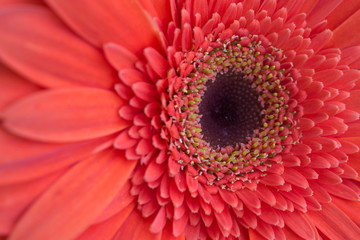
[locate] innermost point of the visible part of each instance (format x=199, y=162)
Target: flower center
x=230, y=110
x=230, y=103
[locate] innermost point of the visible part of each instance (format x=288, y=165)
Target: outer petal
x=163, y=12
x=334, y=223
x=108, y=228
x=121, y=22
x=47, y=52
x=119, y=57
x=13, y=87
x=342, y=12
x=348, y=207
x=74, y=202
x=65, y=115
x=136, y=228
x=8, y=2
x=38, y=159
x=344, y=35
x=15, y=198
x=322, y=10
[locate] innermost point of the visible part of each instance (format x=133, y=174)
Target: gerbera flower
x=179, y=119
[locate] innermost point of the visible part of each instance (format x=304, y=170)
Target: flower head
x=179, y=119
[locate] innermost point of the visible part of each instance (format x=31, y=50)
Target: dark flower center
x=230, y=110
x=230, y=107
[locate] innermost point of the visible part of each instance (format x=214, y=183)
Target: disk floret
x=254, y=62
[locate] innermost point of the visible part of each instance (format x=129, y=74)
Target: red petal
x=312, y=106
x=328, y=76
x=229, y=197
x=9, y=2
x=321, y=11
x=15, y=198
x=320, y=193
x=36, y=159
x=65, y=115
x=348, y=208
x=266, y=195
x=301, y=149
x=294, y=177
x=154, y=171
x=124, y=141
x=334, y=223
x=295, y=219
x=269, y=215
x=343, y=191
x=351, y=54
x=225, y=219
x=121, y=22
x=51, y=56
x=176, y=196
x=69, y=206
x=13, y=87
x=122, y=200
x=130, y=76
x=342, y=12
x=254, y=235
x=250, y=198
x=163, y=12
x=272, y=180
x=159, y=222
x=343, y=34
x=157, y=62
x=119, y=57
x=320, y=40
x=136, y=227
x=145, y=91
x=108, y=228
x=290, y=234
x=179, y=225
x=352, y=102
x=266, y=230
x=167, y=234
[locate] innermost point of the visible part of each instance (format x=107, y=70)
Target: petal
x=119, y=57
x=108, y=228
x=342, y=12
x=121, y=22
x=8, y=2
x=69, y=206
x=321, y=11
x=145, y=91
x=348, y=208
x=157, y=62
x=295, y=219
x=352, y=102
x=122, y=200
x=48, y=53
x=136, y=227
x=254, y=235
x=295, y=177
x=163, y=12
x=344, y=34
x=13, y=87
x=38, y=159
x=65, y=115
x=334, y=223
x=159, y=221
x=9, y=145
x=15, y=198
x=167, y=235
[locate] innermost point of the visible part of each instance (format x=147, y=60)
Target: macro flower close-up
x=179, y=119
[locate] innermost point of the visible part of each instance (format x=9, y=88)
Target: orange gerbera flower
x=179, y=119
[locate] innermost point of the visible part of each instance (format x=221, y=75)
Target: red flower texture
x=179, y=119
